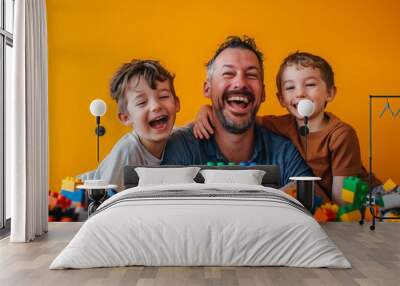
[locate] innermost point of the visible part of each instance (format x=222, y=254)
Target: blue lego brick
x=76, y=196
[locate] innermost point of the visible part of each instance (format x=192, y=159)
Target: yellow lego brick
x=347, y=196
x=351, y=216
x=334, y=208
x=389, y=185
x=69, y=183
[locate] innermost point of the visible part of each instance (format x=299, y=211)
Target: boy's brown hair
x=151, y=70
x=307, y=60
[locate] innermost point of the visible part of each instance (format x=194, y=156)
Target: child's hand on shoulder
x=203, y=125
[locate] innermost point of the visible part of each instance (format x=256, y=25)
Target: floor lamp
x=98, y=108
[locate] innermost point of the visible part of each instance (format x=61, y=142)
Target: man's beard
x=229, y=125
x=233, y=127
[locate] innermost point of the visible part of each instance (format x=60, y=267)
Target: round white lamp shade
x=98, y=107
x=305, y=107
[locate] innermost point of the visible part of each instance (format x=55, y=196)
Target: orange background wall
x=88, y=40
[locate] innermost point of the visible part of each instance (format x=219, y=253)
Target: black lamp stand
x=100, y=131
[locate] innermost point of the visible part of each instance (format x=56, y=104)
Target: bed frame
x=271, y=178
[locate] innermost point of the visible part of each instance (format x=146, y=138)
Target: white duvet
x=224, y=225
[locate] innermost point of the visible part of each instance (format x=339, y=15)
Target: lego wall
x=88, y=40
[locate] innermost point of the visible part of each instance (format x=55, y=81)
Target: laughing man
x=235, y=85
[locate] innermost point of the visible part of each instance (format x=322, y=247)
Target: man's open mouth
x=159, y=122
x=238, y=103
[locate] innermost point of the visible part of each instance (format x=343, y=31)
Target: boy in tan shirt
x=333, y=151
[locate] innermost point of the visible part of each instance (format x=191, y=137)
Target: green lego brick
x=346, y=209
x=358, y=187
x=210, y=164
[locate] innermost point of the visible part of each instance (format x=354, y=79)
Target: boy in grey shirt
x=144, y=92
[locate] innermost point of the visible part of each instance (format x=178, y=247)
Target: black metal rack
x=370, y=203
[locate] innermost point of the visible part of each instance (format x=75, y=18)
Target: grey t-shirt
x=127, y=151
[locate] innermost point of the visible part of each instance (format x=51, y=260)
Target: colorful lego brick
x=389, y=200
x=210, y=164
x=63, y=202
x=331, y=210
x=231, y=164
x=70, y=183
x=351, y=216
x=220, y=163
x=59, y=214
x=76, y=196
x=356, y=186
x=348, y=196
x=53, y=197
x=349, y=213
x=389, y=185
x=320, y=215
x=326, y=212
x=332, y=215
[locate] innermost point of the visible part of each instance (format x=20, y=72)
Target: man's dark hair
x=151, y=70
x=237, y=42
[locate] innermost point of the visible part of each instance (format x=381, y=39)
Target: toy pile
x=387, y=197
x=386, y=202
x=68, y=204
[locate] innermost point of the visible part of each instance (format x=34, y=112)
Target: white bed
x=201, y=224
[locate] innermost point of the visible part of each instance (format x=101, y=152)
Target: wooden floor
x=374, y=255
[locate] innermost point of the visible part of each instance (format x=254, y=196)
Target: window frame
x=6, y=39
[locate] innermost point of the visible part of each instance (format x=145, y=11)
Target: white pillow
x=164, y=176
x=248, y=177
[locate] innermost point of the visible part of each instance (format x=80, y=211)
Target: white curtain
x=27, y=123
